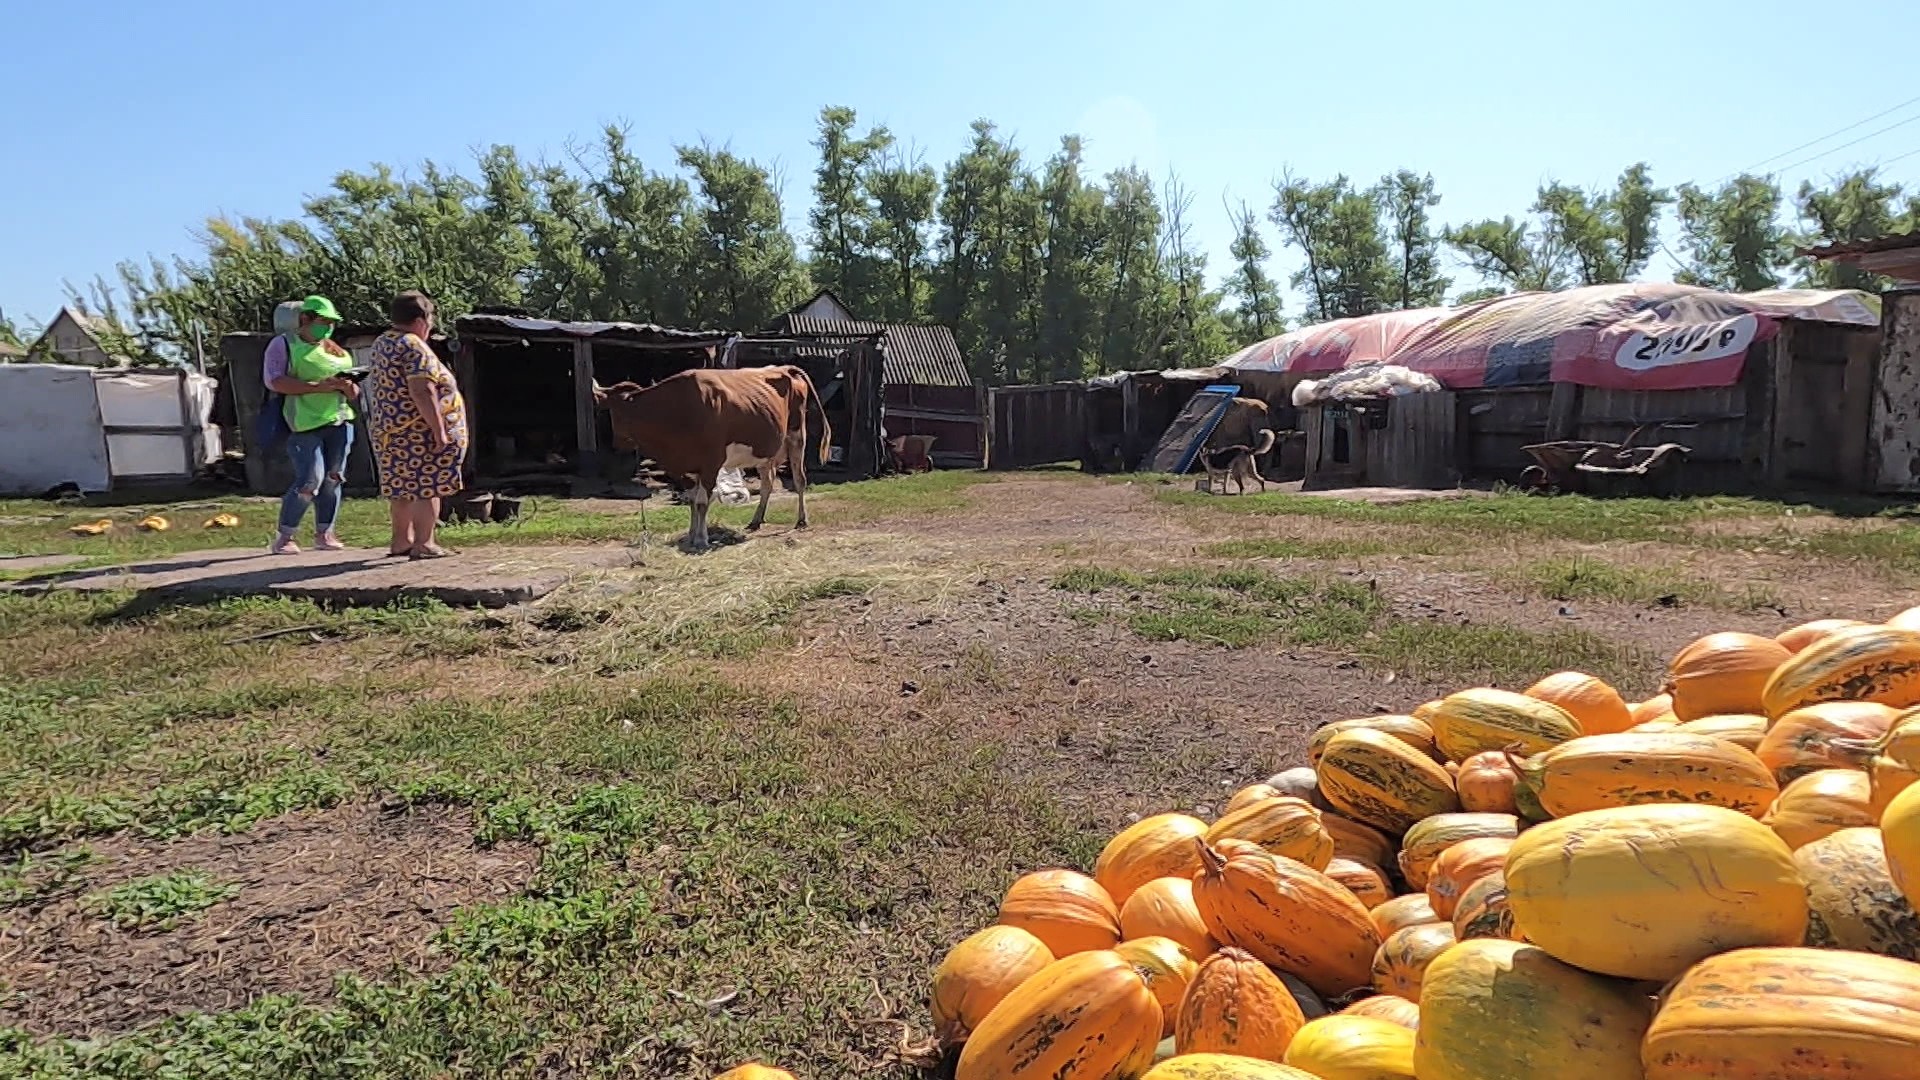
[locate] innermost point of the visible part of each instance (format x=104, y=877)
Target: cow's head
x=605, y=397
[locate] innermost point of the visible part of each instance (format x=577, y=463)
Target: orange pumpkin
x=1168, y=969
x=1154, y=847
x=1819, y=804
x=1068, y=911
x=1744, y=730
x=1164, y=907
x=1367, y=882
x=1887, y=777
x=1830, y=735
x=1249, y=795
x=1460, y=866
x=1657, y=707
x=1598, y=706
x=1089, y=1014
x=1798, y=638
x=1236, y=1006
x=753, y=1070
x=1401, y=912
x=1403, y=958
x=1283, y=825
x=1352, y=840
x=1723, y=673
x=977, y=974
x=1288, y=915
x=1389, y=1007
x=1486, y=784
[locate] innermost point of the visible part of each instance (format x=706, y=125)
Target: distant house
x=928, y=392
x=76, y=337
x=11, y=353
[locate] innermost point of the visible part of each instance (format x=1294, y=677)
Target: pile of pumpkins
x=1717, y=882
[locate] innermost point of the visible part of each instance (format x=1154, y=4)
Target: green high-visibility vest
x=311, y=363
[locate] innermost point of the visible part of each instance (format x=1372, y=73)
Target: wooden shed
x=1410, y=441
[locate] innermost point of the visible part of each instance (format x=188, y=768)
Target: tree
x=1404, y=198
x=1732, y=237
x=1256, y=295
x=1129, y=278
x=749, y=270
x=1337, y=230
x=903, y=193
x=844, y=218
x=976, y=293
x=1071, y=216
x=10, y=333
x=1856, y=206
x=1193, y=333
x=1577, y=237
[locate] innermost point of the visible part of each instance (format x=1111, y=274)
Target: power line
x=1902, y=157
x=1854, y=142
x=1831, y=134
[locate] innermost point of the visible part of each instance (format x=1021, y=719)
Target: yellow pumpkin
x=1723, y=673
x=1900, y=831
x=1153, y=847
x=1362, y=843
x=1426, y=840
x=1665, y=723
x=1643, y=892
x=1403, y=958
x=1410, y=730
x=977, y=974
x=1367, y=882
x=1880, y=664
x=1906, y=620
x=1485, y=784
x=1829, y=735
x=1502, y=1010
x=1820, y=804
x=1460, y=866
x=1887, y=777
x=1475, y=721
x=1236, y=1006
x=1251, y=794
x=1599, y=771
x=1222, y=1067
x=1285, y=826
x=1483, y=911
x=1167, y=967
x=1853, y=901
x=1289, y=915
x=1089, y=1014
x=1413, y=909
x=1353, y=1048
x=1598, y=707
x=1765, y=1014
x=1068, y=911
x=1389, y=1007
x=1797, y=639
x=1895, y=761
x=1377, y=779
x=753, y=1070
x=1741, y=729
x=1164, y=907
x=1657, y=707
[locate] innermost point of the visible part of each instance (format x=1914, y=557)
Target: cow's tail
x=1266, y=442
x=818, y=406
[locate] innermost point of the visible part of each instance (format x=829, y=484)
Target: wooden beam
x=585, y=417
x=1563, y=411
x=1779, y=401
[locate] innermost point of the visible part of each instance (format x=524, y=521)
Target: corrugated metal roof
x=1889, y=242
x=645, y=333
x=917, y=354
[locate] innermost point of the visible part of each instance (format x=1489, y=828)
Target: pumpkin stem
x=1211, y=861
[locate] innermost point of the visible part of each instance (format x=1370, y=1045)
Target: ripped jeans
x=319, y=468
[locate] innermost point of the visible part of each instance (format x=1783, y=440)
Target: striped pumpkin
x=1410, y=730
x=1476, y=721
x=1284, y=825
x=1379, y=780
x=1828, y=735
x=1599, y=771
x=1403, y=958
x=1153, y=847
x=1089, y=1014
x=1501, y=1010
x=1236, y=1006
x=1426, y=840
x=1288, y=915
x=1821, y=804
x=1864, y=663
x=1723, y=673
x=1853, y=901
x=1413, y=909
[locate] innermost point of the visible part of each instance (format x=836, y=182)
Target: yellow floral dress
x=410, y=467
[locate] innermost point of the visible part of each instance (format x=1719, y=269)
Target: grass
x=160, y=902
x=1581, y=578
x=1242, y=607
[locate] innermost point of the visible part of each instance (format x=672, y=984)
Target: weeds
x=157, y=903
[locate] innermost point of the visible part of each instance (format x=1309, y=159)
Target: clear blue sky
x=125, y=125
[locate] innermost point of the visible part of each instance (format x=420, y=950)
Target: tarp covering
x=1640, y=336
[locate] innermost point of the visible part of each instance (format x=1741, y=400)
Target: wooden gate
x=1036, y=425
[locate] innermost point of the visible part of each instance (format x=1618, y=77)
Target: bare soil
x=351, y=889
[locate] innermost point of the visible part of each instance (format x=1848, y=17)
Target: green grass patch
x=1583, y=578
x=31, y=878
x=1504, y=655
x=159, y=902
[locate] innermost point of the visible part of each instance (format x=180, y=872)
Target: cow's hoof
x=801, y=524
x=753, y=526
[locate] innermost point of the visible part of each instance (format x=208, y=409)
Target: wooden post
x=585, y=417
x=1780, y=401
x=1129, y=423
x=189, y=430
x=1563, y=411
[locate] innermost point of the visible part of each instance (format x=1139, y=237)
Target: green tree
x=1732, y=237
x=629, y=241
x=1193, y=333
x=749, y=270
x=1337, y=230
x=845, y=220
x=10, y=333
x=1129, y=280
x=980, y=223
x=1404, y=198
x=1072, y=213
x=1577, y=237
x=1855, y=206
x=1255, y=294
x=903, y=193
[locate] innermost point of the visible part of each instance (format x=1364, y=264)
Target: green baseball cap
x=320, y=307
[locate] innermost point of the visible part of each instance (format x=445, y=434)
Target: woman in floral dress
x=419, y=424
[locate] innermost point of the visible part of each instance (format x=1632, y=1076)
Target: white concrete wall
x=50, y=430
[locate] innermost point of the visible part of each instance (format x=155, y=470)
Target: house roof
x=918, y=354
x=1889, y=242
x=635, y=333
x=90, y=325
x=815, y=298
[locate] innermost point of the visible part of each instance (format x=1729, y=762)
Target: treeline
x=1044, y=271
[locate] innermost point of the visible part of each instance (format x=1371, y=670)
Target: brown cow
x=699, y=422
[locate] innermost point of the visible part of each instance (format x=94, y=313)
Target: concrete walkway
x=482, y=577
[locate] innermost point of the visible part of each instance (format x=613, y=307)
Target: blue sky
x=123, y=130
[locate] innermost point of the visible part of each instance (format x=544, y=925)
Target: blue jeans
x=319, y=468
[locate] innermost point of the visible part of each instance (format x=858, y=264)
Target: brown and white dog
x=1235, y=463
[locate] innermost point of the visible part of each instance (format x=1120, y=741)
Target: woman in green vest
x=308, y=367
